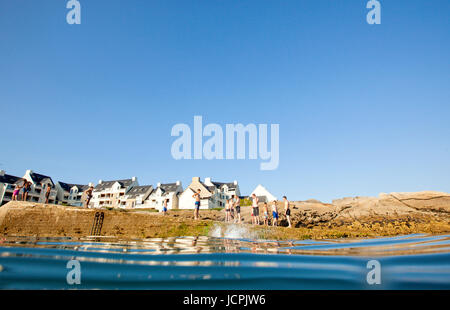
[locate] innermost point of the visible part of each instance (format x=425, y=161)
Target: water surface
x=407, y=262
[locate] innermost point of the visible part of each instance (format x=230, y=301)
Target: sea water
x=230, y=258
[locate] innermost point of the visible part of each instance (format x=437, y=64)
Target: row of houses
x=127, y=193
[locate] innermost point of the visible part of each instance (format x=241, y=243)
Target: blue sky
x=362, y=109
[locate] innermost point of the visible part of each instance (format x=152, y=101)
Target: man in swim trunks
x=287, y=211
x=255, y=209
x=197, y=204
x=89, y=195
x=237, y=207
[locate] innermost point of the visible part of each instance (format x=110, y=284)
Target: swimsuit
x=266, y=215
x=275, y=215
x=197, y=204
x=238, y=209
x=255, y=211
x=288, y=212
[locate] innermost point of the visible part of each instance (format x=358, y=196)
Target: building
x=7, y=184
x=112, y=193
x=39, y=185
x=263, y=194
x=136, y=196
x=71, y=194
x=212, y=194
x=169, y=191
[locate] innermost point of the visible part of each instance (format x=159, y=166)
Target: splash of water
x=231, y=231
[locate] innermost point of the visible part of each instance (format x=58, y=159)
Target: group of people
x=23, y=189
x=233, y=210
x=275, y=213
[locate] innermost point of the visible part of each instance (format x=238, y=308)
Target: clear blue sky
x=362, y=109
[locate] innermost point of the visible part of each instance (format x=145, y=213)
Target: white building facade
x=168, y=191
x=112, y=193
x=7, y=184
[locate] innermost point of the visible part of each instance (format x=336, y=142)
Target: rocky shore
x=385, y=215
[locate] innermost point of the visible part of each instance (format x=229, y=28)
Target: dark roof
x=9, y=179
x=67, y=187
x=220, y=185
x=169, y=187
x=108, y=184
x=139, y=190
x=38, y=178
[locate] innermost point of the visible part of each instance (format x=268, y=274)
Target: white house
x=7, y=184
x=39, y=185
x=162, y=192
x=263, y=194
x=112, y=193
x=136, y=196
x=212, y=194
x=71, y=194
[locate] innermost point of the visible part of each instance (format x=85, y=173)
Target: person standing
x=255, y=209
x=165, y=206
x=237, y=207
x=287, y=210
x=47, y=192
x=196, y=204
x=26, y=190
x=16, y=191
x=274, y=214
x=228, y=210
x=266, y=214
x=89, y=195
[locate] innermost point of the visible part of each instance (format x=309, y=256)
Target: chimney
x=208, y=181
x=100, y=181
x=235, y=182
x=178, y=183
x=158, y=185
x=134, y=179
x=91, y=184
x=196, y=179
x=29, y=172
x=2, y=172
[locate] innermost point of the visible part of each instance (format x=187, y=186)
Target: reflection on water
x=407, y=262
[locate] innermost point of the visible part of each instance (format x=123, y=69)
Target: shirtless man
x=89, y=195
x=255, y=210
x=197, y=204
x=287, y=211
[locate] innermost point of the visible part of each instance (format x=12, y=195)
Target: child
x=274, y=214
x=165, y=206
x=266, y=214
x=16, y=191
x=228, y=210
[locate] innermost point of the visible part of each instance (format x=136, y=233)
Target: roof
x=220, y=185
x=38, y=178
x=139, y=190
x=108, y=184
x=9, y=179
x=169, y=187
x=67, y=187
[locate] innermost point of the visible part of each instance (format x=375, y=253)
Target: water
x=225, y=260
